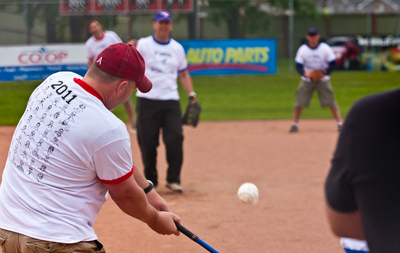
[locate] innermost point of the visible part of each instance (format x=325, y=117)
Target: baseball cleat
x=294, y=129
x=175, y=187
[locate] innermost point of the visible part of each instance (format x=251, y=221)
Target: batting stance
x=67, y=152
x=160, y=108
x=314, y=62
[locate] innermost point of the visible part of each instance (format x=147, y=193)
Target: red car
x=347, y=52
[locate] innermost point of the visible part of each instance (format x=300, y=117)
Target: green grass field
x=244, y=97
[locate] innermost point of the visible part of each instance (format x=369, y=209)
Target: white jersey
x=315, y=58
x=163, y=62
x=94, y=46
x=66, y=146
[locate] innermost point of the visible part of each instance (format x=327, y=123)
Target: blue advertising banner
x=37, y=62
x=229, y=57
x=39, y=72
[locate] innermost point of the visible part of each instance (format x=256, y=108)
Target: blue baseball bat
x=195, y=238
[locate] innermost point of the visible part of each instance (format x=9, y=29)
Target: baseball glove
x=192, y=112
x=316, y=75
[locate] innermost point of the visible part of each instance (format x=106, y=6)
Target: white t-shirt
x=315, y=58
x=94, y=46
x=163, y=62
x=66, y=146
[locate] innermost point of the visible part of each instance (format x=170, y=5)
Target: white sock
x=295, y=124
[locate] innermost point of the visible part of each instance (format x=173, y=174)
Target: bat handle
x=186, y=232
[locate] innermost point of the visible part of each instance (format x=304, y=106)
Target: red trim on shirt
x=118, y=180
x=102, y=36
x=88, y=88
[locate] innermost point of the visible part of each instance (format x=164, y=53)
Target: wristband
x=148, y=188
x=192, y=94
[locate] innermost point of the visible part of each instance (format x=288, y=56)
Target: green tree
x=49, y=15
x=35, y=12
x=27, y=8
x=47, y=12
x=247, y=16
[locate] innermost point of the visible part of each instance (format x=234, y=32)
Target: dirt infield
x=288, y=169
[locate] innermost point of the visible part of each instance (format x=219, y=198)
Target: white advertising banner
x=37, y=62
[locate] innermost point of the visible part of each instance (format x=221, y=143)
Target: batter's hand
x=157, y=201
x=165, y=224
x=133, y=42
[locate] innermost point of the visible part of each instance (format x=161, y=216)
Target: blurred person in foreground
x=68, y=152
x=99, y=40
x=160, y=108
x=363, y=182
x=314, y=62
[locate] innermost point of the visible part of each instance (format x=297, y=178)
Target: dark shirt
x=365, y=172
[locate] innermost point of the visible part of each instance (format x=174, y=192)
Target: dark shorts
x=10, y=241
x=306, y=89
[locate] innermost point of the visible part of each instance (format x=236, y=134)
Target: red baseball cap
x=124, y=61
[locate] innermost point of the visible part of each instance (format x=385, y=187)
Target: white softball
x=248, y=193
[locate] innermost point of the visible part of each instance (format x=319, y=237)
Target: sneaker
x=175, y=187
x=294, y=129
x=340, y=128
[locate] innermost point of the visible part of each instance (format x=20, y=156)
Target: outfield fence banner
x=40, y=61
x=205, y=57
x=230, y=57
x=118, y=7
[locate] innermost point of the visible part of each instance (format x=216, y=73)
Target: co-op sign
x=238, y=56
x=42, y=57
x=40, y=61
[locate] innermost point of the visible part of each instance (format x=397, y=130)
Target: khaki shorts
x=306, y=89
x=11, y=242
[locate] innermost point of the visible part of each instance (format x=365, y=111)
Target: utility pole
x=291, y=13
x=26, y=22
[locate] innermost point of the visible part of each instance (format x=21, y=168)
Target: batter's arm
x=152, y=196
x=186, y=81
x=345, y=224
x=131, y=199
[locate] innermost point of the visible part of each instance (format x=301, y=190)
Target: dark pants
x=153, y=115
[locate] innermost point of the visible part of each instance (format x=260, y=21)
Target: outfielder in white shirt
x=315, y=56
x=94, y=45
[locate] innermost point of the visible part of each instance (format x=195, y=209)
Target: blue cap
x=312, y=31
x=163, y=15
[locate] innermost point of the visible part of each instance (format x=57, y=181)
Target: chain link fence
x=65, y=21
